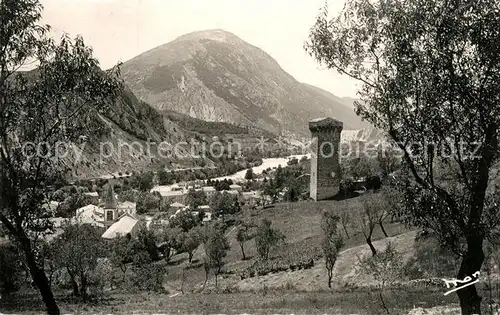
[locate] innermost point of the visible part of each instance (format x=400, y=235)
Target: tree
x=147, y=241
x=430, y=80
x=148, y=202
x=224, y=203
x=266, y=238
x=376, y=209
x=388, y=161
x=331, y=243
x=167, y=238
x=196, y=198
x=68, y=207
x=11, y=271
x=360, y=167
x=184, y=220
x=393, y=201
x=164, y=177
x=249, y=174
x=368, y=219
x=345, y=218
x=129, y=195
x=243, y=235
x=292, y=191
x=272, y=190
x=189, y=241
x=143, y=181
x=216, y=248
x=59, y=101
x=77, y=250
x=121, y=253
x=386, y=268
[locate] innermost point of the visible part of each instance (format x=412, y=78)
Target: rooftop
x=325, y=123
x=164, y=193
x=125, y=225
x=126, y=205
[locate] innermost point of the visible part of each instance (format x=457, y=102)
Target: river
x=240, y=176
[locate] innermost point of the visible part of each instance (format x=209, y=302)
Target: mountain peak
x=213, y=34
x=216, y=76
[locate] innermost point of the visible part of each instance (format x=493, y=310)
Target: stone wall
x=325, y=166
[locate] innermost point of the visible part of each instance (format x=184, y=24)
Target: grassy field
x=299, y=292
x=262, y=302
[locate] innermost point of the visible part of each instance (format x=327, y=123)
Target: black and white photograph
x=333, y=157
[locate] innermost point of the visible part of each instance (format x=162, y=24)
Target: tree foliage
x=196, y=198
x=216, y=248
x=242, y=236
x=10, y=271
x=77, y=250
x=185, y=220
x=266, y=238
x=386, y=268
x=223, y=204
x=58, y=102
x=331, y=243
x=430, y=74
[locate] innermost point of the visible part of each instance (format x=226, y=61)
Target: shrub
x=147, y=277
x=10, y=270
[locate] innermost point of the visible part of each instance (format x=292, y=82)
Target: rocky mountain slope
x=130, y=127
x=216, y=76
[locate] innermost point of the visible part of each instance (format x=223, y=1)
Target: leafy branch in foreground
x=48, y=107
x=430, y=74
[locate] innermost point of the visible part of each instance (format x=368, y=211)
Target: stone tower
x=325, y=167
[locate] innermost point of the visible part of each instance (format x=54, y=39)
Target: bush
x=147, y=277
x=373, y=182
x=346, y=187
x=10, y=269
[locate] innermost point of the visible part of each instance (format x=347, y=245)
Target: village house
x=177, y=205
x=127, y=207
x=173, y=196
x=235, y=187
x=209, y=191
x=89, y=214
x=231, y=192
x=127, y=224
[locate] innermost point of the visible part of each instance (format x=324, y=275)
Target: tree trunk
x=74, y=284
x=207, y=270
x=242, y=251
x=83, y=286
x=39, y=277
x=382, y=228
x=330, y=275
x=345, y=230
x=372, y=248
x=381, y=297
x=470, y=301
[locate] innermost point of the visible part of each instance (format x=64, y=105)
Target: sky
x=119, y=30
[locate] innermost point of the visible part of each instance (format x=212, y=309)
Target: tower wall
x=325, y=167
